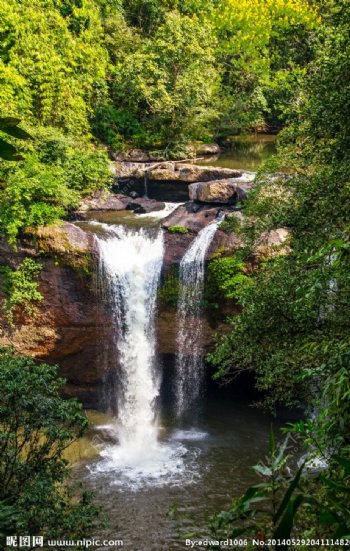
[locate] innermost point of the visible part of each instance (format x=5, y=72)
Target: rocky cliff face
x=73, y=326
x=70, y=327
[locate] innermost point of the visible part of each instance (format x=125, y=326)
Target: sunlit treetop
x=245, y=27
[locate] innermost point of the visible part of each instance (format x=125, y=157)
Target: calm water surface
x=245, y=153
x=214, y=452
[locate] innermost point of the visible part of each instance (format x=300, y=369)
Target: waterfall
x=189, y=368
x=130, y=266
x=131, y=263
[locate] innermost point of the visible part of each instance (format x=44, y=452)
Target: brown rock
x=190, y=173
x=193, y=221
x=141, y=205
x=71, y=326
x=102, y=201
x=208, y=149
x=173, y=171
x=272, y=243
x=130, y=170
x=227, y=191
x=167, y=328
x=62, y=239
x=176, y=244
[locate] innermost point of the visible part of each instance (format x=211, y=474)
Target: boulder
x=227, y=191
x=127, y=170
x=208, y=149
x=190, y=173
x=272, y=243
x=106, y=201
x=103, y=201
x=193, y=221
x=65, y=239
x=143, y=205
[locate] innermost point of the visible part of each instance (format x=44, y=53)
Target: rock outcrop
x=173, y=172
x=176, y=244
x=227, y=191
x=73, y=325
x=103, y=201
x=272, y=243
x=69, y=327
x=143, y=206
x=190, y=217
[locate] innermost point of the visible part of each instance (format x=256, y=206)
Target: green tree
x=294, y=327
x=262, y=50
x=293, y=331
x=52, y=63
x=37, y=426
x=168, y=83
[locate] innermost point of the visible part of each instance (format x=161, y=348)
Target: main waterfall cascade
x=189, y=367
x=132, y=264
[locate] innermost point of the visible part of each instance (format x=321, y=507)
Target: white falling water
x=131, y=262
x=189, y=360
x=159, y=214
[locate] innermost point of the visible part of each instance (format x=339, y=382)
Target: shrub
x=20, y=287
x=178, y=229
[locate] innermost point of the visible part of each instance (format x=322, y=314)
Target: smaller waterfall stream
x=189, y=359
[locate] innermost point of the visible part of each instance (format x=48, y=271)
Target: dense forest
x=87, y=77
x=84, y=80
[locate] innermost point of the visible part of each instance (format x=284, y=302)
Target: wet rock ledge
x=172, y=172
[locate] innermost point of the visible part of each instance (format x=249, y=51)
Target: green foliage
x=283, y=505
x=153, y=73
x=260, y=45
x=168, y=292
x=52, y=62
x=293, y=329
x=49, y=182
x=20, y=288
x=177, y=229
x=9, y=127
x=226, y=276
x=297, y=304
x=336, y=516
x=165, y=85
x=8, y=515
x=230, y=224
x=37, y=426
